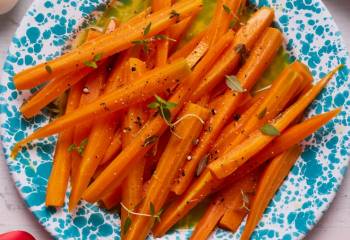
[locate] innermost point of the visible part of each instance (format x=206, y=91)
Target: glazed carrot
x=151, y=83
x=199, y=190
x=269, y=183
x=245, y=38
x=135, y=118
x=118, y=169
x=113, y=199
x=231, y=130
x=177, y=31
x=118, y=41
x=228, y=199
x=51, y=91
x=162, y=47
x=257, y=63
x=93, y=88
x=228, y=10
x=229, y=162
x=250, y=101
x=186, y=49
x=58, y=181
x=289, y=138
x=211, y=217
x=113, y=148
x=283, y=89
x=188, y=128
x=99, y=138
x=59, y=85
x=207, y=184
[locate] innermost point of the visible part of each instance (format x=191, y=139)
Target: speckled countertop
x=14, y=216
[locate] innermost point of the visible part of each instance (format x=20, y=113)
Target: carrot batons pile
x=156, y=127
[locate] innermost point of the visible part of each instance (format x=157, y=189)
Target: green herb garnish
x=262, y=114
x=48, y=69
x=150, y=140
x=93, y=62
x=234, y=84
x=163, y=107
x=227, y=9
x=202, y=165
x=174, y=14
x=270, y=130
x=127, y=225
x=147, y=29
x=144, y=43
x=80, y=149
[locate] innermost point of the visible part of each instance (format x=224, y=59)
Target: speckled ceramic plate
x=312, y=37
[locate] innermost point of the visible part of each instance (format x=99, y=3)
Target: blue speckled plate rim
x=331, y=196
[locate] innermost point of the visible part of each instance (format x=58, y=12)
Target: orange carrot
x=118, y=169
x=92, y=90
x=107, y=45
x=112, y=200
x=151, y=83
x=244, y=41
x=52, y=91
x=113, y=148
x=99, y=138
x=58, y=86
x=177, y=31
x=229, y=162
x=186, y=49
x=257, y=63
x=269, y=183
x=232, y=198
x=58, y=181
x=228, y=10
x=132, y=188
x=230, y=131
x=289, y=138
x=189, y=125
x=283, y=89
x=207, y=183
x=162, y=48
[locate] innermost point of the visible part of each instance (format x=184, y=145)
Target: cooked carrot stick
x=245, y=39
x=113, y=148
x=211, y=217
x=283, y=89
x=153, y=82
x=115, y=173
x=132, y=188
x=186, y=49
x=257, y=63
x=250, y=101
x=199, y=190
x=229, y=162
x=162, y=47
x=112, y=200
x=232, y=198
x=207, y=183
x=99, y=138
x=117, y=41
x=228, y=10
x=269, y=183
x=231, y=131
x=188, y=128
x=178, y=30
x=58, y=181
x=59, y=85
x=52, y=91
x=289, y=138
x=93, y=88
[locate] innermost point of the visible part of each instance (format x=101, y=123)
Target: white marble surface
x=334, y=225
